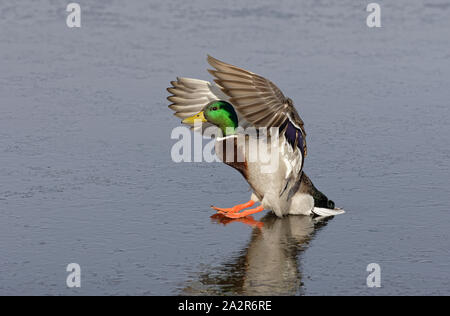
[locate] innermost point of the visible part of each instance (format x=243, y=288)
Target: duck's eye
x=214, y=108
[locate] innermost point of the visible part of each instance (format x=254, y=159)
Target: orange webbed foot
x=242, y=214
x=235, y=208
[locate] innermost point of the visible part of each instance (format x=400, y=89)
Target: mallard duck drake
x=240, y=98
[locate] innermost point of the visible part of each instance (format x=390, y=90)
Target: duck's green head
x=219, y=113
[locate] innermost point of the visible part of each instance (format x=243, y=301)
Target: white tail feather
x=326, y=212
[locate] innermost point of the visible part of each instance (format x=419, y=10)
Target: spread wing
x=189, y=96
x=259, y=101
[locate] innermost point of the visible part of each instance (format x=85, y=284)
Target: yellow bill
x=197, y=117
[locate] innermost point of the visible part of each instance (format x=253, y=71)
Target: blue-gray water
x=85, y=168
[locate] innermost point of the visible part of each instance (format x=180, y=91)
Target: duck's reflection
x=270, y=263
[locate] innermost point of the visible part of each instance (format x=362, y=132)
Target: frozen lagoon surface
x=87, y=177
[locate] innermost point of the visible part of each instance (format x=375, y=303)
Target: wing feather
x=258, y=99
x=189, y=96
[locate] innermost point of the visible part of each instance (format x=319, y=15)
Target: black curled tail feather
x=320, y=199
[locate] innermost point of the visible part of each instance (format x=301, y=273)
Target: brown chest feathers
x=233, y=155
